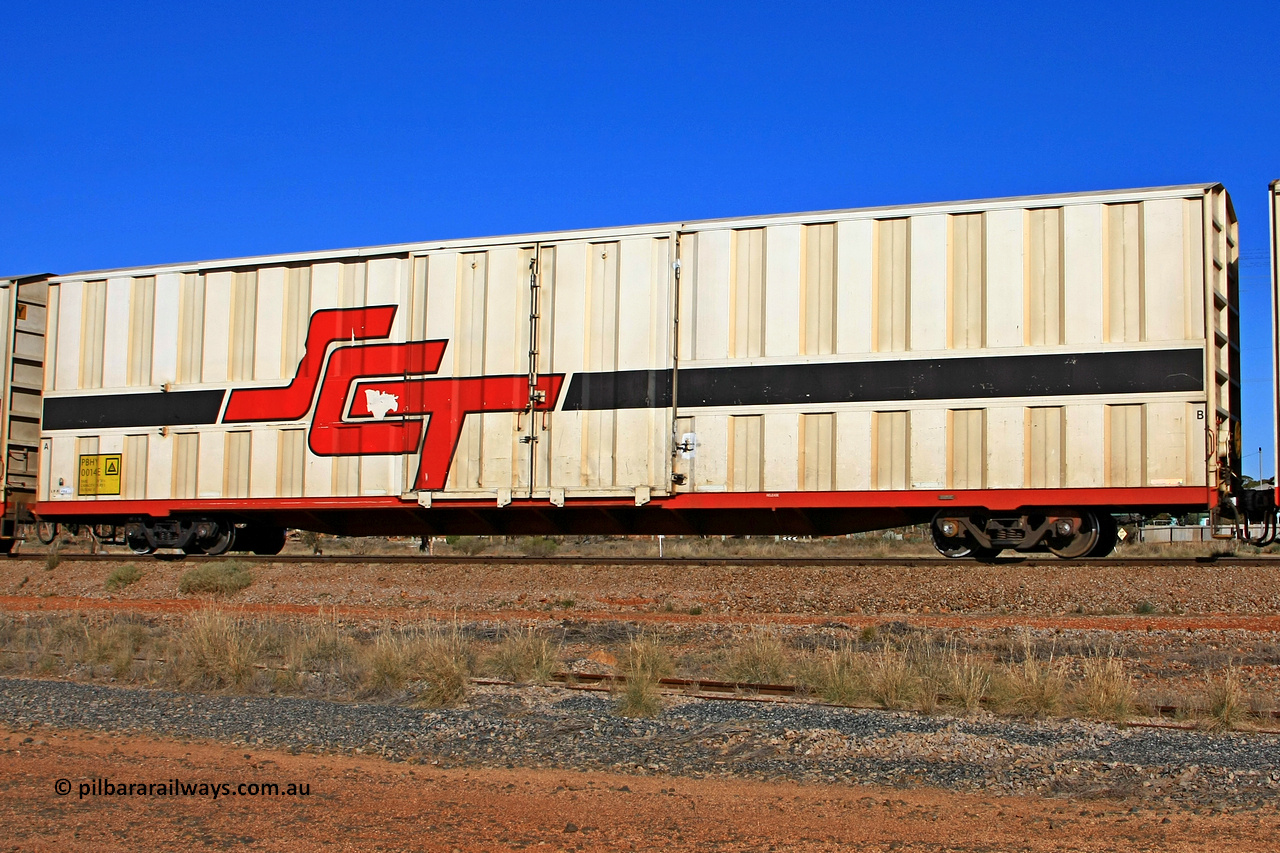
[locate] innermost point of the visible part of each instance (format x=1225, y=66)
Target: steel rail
x=742, y=690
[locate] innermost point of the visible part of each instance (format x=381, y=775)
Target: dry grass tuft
x=430, y=663
x=841, y=677
x=321, y=647
x=467, y=545
x=1106, y=690
x=443, y=667
x=115, y=646
x=968, y=681
x=647, y=661
x=538, y=546
x=222, y=578
x=123, y=576
x=638, y=697
x=387, y=663
x=1032, y=688
x=215, y=651
x=758, y=660
x=892, y=681
x=1228, y=703
x=647, y=656
x=524, y=656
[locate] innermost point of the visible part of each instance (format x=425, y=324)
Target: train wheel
x=1081, y=543
x=46, y=532
x=961, y=547
x=1108, y=536
x=951, y=547
x=136, y=540
x=222, y=542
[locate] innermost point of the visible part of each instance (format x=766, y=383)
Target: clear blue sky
x=147, y=133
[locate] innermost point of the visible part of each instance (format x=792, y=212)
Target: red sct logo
x=395, y=391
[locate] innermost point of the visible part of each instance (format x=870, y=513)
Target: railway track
x=750, y=691
x=507, y=560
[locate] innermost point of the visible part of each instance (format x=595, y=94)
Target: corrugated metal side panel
x=746, y=450
x=142, y=306
x=133, y=482
x=296, y=317
x=985, y=282
x=1123, y=281
x=190, y=340
x=8, y=465
x=386, y=283
x=237, y=459
x=966, y=320
x=746, y=294
x=818, y=453
x=186, y=465
x=819, y=305
x=218, y=325
x=966, y=448
x=891, y=265
x=506, y=352
x=468, y=343
x=93, y=328
x=1124, y=441
x=1044, y=277
x=853, y=449
x=890, y=437
x=291, y=463
x=244, y=314
x=973, y=279
x=1044, y=440
x=8, y=293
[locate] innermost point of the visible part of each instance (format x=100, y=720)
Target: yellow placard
x=100, y=474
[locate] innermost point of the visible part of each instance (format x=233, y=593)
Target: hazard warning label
x=100, y=474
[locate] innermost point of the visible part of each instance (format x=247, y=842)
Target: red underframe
x=1000, y=500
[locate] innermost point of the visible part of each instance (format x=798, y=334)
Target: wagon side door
x=605, y=334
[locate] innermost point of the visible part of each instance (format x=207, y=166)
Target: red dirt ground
x=359, y=803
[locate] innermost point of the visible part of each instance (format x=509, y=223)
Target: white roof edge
x=632, y=230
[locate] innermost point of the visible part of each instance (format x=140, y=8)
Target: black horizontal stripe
x=108, y=411
x=900, y=381
x=905, y=380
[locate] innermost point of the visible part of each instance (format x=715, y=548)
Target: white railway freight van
x=1012, y=370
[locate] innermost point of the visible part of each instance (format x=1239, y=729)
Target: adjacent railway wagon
x=1012, y=370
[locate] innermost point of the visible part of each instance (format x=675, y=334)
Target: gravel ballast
x=547, y=727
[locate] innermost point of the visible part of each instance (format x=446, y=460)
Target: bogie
x=1068, y=534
